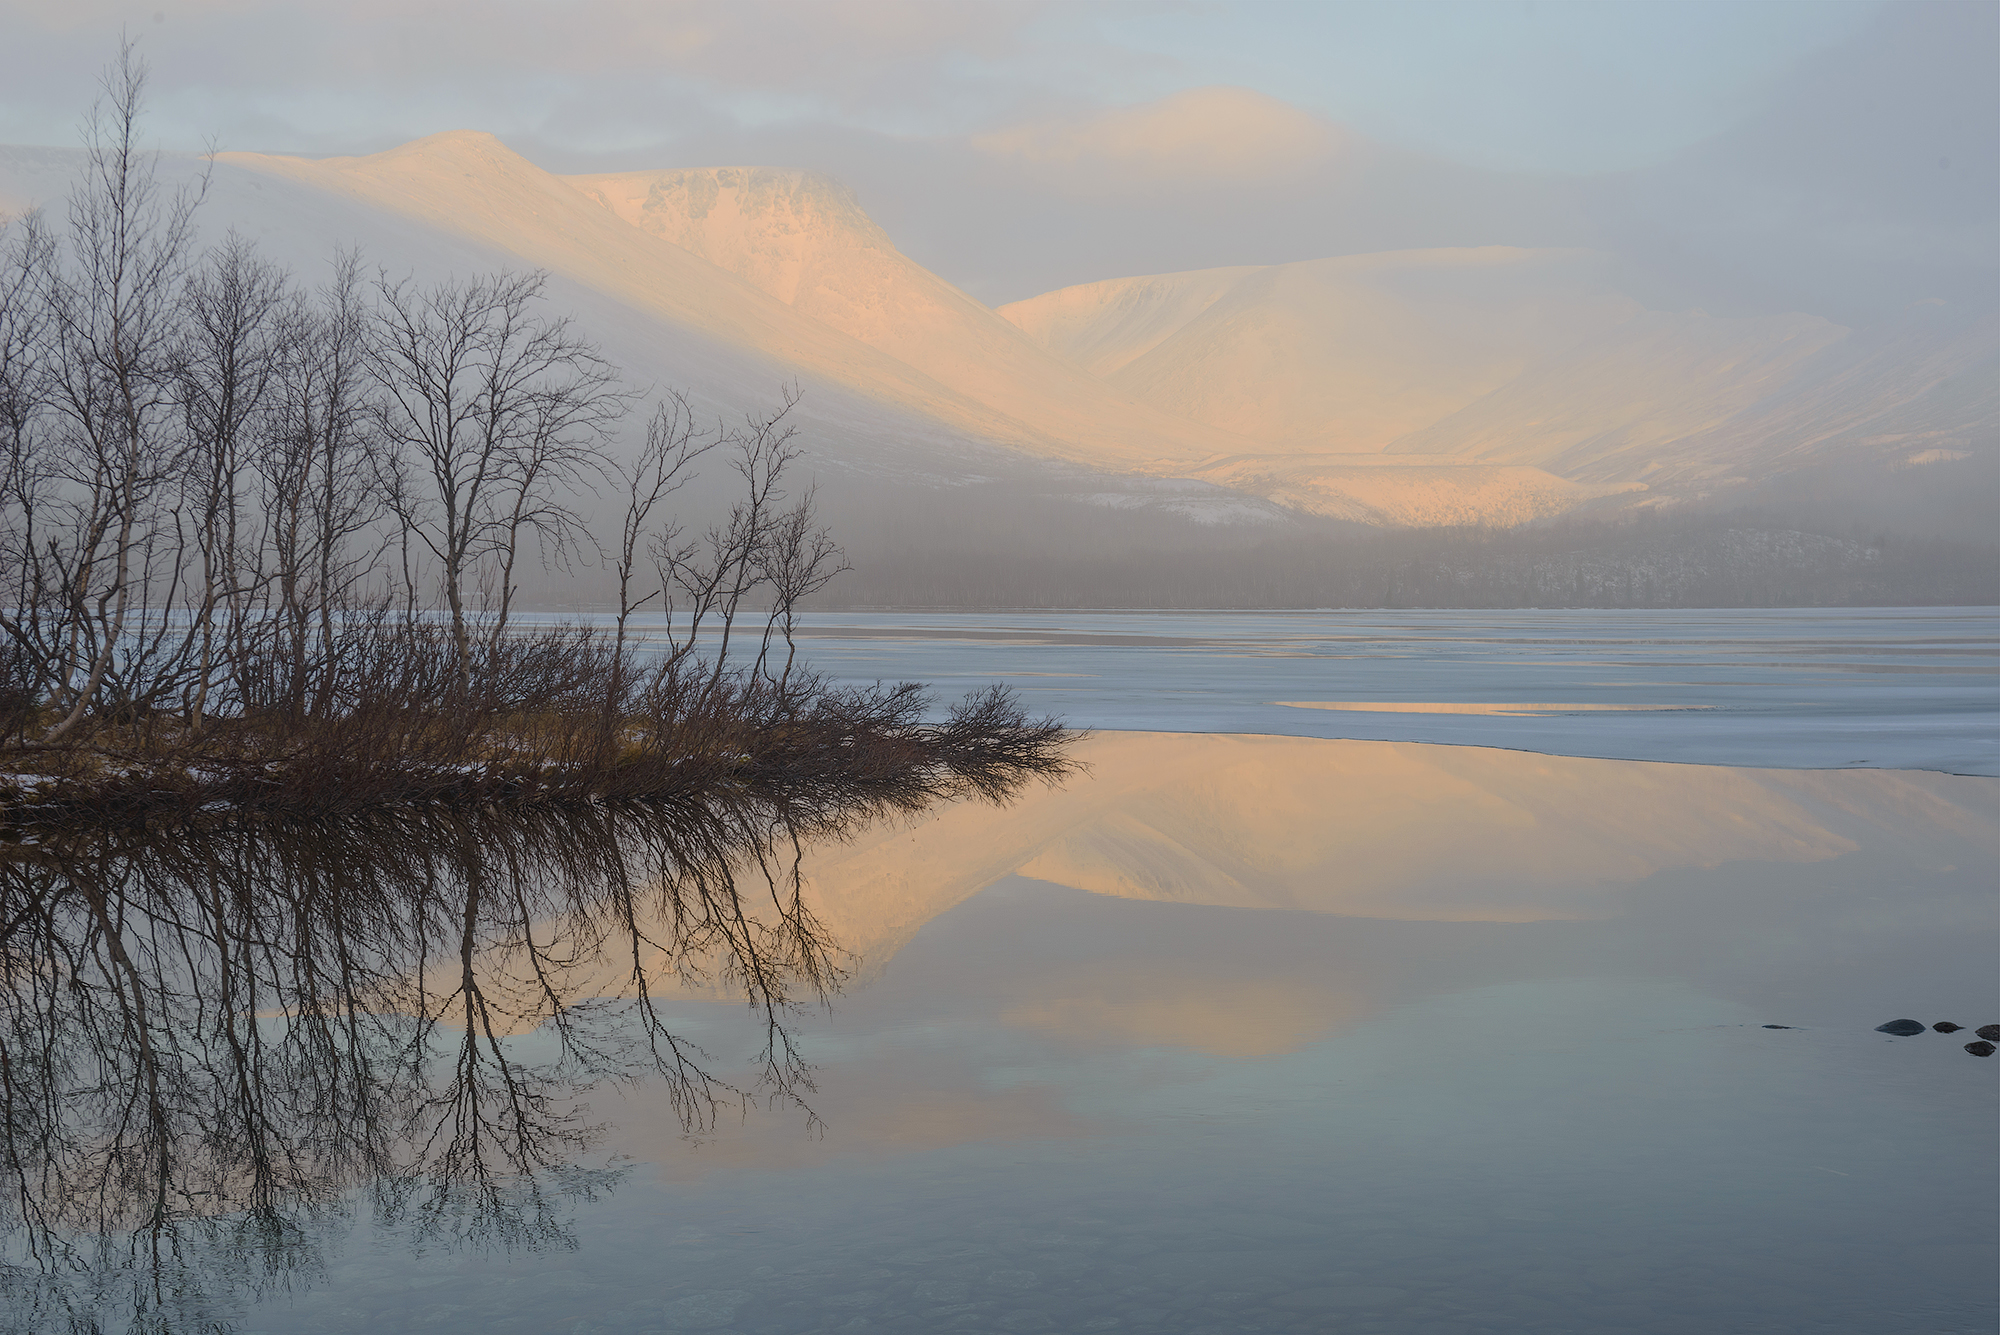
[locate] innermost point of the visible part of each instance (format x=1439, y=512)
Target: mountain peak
x=443, y=148
x=465, y=152
x=451, y=140
x=770, y=226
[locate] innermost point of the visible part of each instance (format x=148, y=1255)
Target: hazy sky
x=1019, y=146
x=1537, y=84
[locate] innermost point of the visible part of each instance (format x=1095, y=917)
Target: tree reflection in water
x=220, y=1039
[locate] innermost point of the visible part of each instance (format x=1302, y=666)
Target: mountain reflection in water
x=1234, y=1033
x=216, y=1037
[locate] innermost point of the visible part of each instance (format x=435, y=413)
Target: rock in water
x=1989, y=1032
x=1947, y=1027
x=1980, y=1049
x=1901, y=1028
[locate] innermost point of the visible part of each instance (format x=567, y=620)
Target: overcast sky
x=1020, y=146
x=1536, y=84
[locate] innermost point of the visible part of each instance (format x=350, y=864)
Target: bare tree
x=495, y=416
x=316, y=477
x=663, y=466
x=717, y=573
x=115, y=322
x=26, y=386
x=798, y=559
x=230, y=371
x=765, y=554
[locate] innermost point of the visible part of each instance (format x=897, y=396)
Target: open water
x=1056, y=1111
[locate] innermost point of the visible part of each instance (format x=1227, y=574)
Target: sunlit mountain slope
x=1487, y=385
x=1530, y=360
x=1001, y=387
x=472, y=184
x=1920, y=391
x=1897, y=421
x=1105, y=327
x=1613, y=406
x=803, y=239
x=1341, y=355
x=1406, y=491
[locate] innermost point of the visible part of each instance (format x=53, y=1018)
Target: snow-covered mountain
x=804, y=240
x=1530, y=360
x=1342, y=355
x=1493, y=384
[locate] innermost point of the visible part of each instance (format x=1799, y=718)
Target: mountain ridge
x=803, y=239
x=1467, y=385
x=1681, y=405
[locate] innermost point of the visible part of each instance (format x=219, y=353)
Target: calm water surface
x=1064, y=1112
x=1049, y=1110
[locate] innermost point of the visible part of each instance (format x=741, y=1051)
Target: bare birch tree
x=316, y=479
x=26, y=386
x=716, y=573
x=115, y=314
x=663, y=465
x=230, y=371
x=495, y=416
x=195, y=457
x=798, y=559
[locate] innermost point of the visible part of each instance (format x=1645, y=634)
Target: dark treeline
x=219, y=1045
x=262, y=543
x=207, y=471
x=1122, y=560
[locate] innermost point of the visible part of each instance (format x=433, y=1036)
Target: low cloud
x=268, y=76
x=1863, y=179
x=1213, y=135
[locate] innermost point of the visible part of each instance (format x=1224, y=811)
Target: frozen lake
x=1890, y=688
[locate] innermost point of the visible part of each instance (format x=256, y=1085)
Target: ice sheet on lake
x=1898, y=688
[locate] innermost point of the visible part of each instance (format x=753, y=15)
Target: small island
x=263, y=546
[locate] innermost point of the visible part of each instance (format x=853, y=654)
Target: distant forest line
x=1710, y=561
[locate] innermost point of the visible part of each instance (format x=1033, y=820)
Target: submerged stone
x=1980, y=1049
x=1901, y=1028
x=1990, y=1032
x=1947, y=1027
